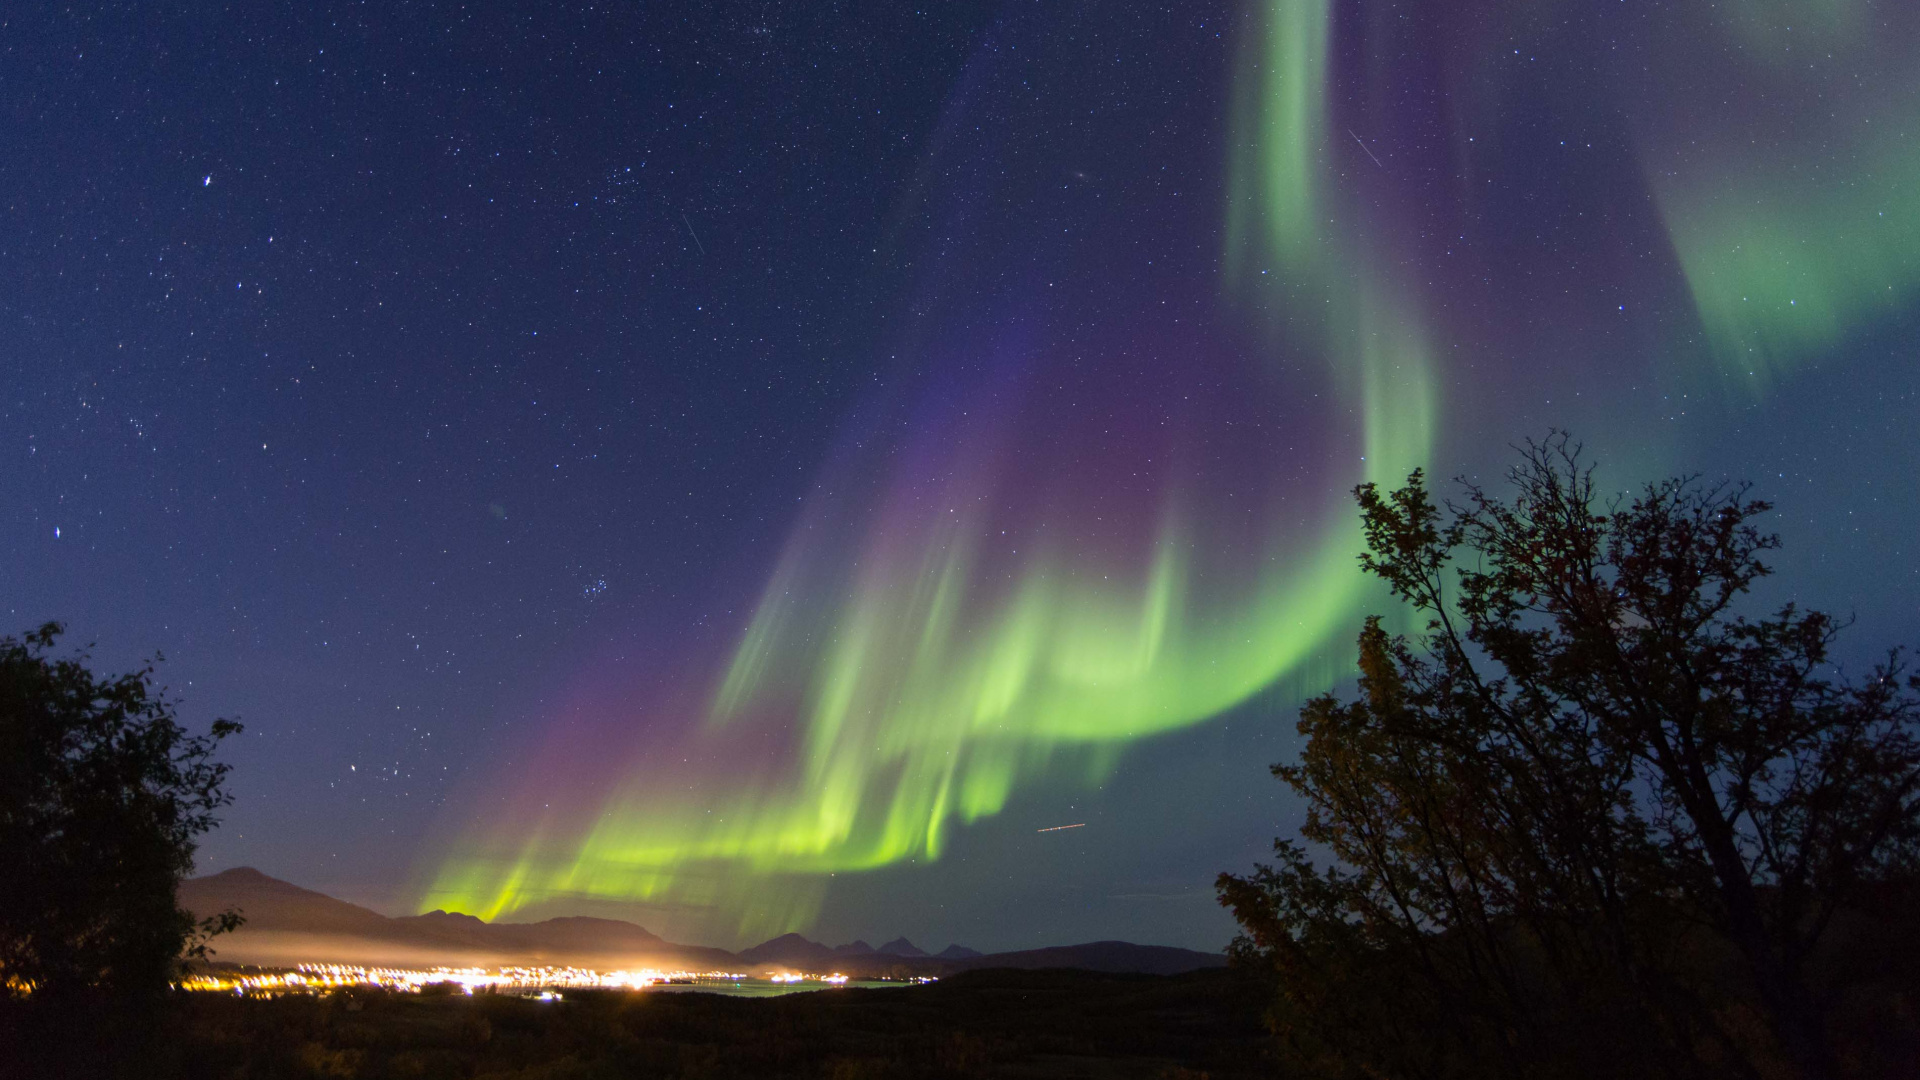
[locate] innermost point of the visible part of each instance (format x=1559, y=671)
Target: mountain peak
x=246, y=877
x=900, y=946
x=790, y=950
x=455, y=917
x=267, y=903
x=287, y=924
x=240, y=874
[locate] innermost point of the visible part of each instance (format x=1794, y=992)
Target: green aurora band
x=922, y=683
x=1797, y=223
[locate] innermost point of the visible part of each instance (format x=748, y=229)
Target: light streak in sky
x=1039, y=560
x=1057, y=828
x=1363, y=146
x=928, y=669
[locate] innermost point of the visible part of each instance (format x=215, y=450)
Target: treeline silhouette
x=976, y=1024
x=1590, y=819
x=102, y=796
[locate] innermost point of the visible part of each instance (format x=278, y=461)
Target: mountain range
x=286, y=925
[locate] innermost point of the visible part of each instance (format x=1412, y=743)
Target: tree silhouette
x=1592, y=821
x=102, y=796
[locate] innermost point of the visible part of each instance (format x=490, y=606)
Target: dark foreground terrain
x=996, y=1023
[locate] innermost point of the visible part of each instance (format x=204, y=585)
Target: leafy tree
x=102, y=797
x=1591, y=821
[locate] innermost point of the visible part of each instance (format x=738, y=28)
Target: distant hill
x=1114, y=957
x=793, y=951
x=287, y=924
x=272, y=904
x=900, y=947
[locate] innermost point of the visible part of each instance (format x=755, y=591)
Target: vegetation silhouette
x=1592, y=820
x=992, y=1023
x=102, y=796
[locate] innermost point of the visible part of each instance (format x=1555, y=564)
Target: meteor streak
x=1363, y=146
x=1057, y=828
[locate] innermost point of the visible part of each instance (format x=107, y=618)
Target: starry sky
x=751, y=467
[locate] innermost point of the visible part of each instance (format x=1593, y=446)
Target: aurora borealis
x=986, y=450
x=1012, y=586
x=943, y=632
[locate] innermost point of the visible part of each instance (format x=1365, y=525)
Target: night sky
x=750, y=467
